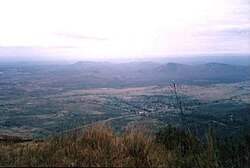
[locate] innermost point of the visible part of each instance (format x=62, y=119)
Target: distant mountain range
x=87, y=74
x=145, y=73
x=209, y=71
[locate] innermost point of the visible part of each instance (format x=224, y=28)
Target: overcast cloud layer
x=92, y=29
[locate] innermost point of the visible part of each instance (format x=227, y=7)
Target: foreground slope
x=99, y=146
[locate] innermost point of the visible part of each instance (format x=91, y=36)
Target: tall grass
x=96, y=146
x=99, y=146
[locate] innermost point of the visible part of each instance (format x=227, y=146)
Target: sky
x=99, y=29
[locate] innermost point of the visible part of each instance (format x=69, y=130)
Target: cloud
x=77, y=36
x=236, y=32
x=61, y=47
x=230, y=31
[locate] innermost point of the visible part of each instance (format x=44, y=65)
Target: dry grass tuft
x=99, y=146
x=96, y=146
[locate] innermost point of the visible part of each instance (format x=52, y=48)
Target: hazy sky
x=85, y=29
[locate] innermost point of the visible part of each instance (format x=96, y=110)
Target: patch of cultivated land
x=238, y=91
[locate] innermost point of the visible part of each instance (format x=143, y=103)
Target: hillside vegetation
x=100, y=146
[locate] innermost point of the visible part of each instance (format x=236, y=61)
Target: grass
x=96, y=146
x=99, y=146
